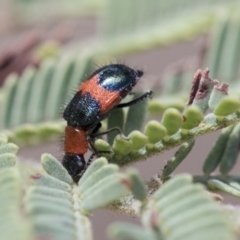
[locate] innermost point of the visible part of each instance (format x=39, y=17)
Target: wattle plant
x=164, y=210
x=56, y=208
x=40, y=201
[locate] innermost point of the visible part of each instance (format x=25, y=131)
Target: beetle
x=94, y=100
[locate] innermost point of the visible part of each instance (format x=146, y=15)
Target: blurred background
x=48, y=47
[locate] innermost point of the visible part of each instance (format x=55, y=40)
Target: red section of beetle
x=107, y=99
x=75, y=141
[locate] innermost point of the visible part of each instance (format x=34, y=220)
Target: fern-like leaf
x=179, y=210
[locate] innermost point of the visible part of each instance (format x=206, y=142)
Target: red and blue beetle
x=95, y=99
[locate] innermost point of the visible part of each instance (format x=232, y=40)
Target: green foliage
x=233, y=188
x=157, y=106
x=38, y=11
x=214, y=157
x=41, y=214
x=224, y=152
x=223, y=60
x=166, y=214
x=193, y=116
x=55, y=80
x=49, y=205
x=155, y=131
x=138, y=188
x=129, y=121
x=227, y=106
x=222, y=57
x=175, y=129
x=7, y=153
x=12, y=226
x=144, y=25
x=138, y=140
x=25, y=96
x=55, y=169
x=24, y=109
x=179, y=156
x=115, y=120
x=178, y=210
x=172, y=120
